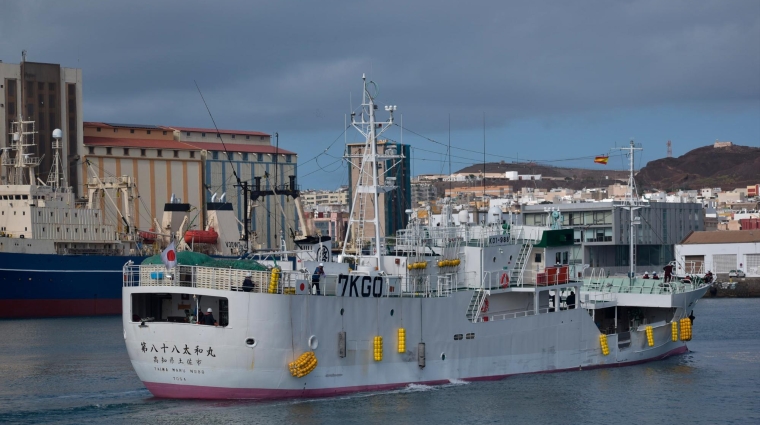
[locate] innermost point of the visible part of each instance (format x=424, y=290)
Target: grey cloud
x=272, y=64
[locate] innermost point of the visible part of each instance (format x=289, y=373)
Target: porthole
x=457, y=337
x=250, y=342
x=341, y=311
x=494, y=259
x=313, y=342
x=391, y=312
x=443, y=356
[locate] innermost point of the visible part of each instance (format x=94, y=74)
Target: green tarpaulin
x=188, y=258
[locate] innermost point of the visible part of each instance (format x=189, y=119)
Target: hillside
x=728, y=168
x=572, y=178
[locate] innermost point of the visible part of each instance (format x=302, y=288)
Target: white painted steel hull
x=283, y=324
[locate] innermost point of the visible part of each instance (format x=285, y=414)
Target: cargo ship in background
x=63, y=256
x=59, y=256
x=454, y=299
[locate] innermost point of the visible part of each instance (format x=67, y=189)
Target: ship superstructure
x=458, y=300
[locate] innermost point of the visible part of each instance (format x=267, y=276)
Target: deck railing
x=288, y=282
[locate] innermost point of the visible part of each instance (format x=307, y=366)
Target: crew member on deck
x=668, y=273
x=655, y=276
x=318, y=273
x=570, y=300
x=247, y=283
x=208, y=318
x=646, y=275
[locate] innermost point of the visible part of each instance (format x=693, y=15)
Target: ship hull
x=166, y=355
x=51, y=285
x=163, y=390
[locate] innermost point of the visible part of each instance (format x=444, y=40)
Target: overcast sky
x=541, y=80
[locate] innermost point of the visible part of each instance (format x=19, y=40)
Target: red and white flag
x=169, y=256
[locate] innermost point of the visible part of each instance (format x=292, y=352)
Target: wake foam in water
x=413, y=388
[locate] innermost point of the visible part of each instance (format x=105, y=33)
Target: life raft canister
x=504, y=280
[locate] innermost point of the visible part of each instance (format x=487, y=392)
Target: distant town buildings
x=423, y=193
x=325, y=197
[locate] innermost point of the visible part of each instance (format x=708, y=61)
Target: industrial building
x=602, y=230
x=720, y=252
x=193, y=164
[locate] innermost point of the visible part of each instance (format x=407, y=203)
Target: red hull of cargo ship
x=23, y=309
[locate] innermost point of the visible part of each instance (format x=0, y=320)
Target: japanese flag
x=169, y=256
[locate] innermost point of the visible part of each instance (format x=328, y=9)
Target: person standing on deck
x=570, y=300
x=318, y=273
x=247, y=283
x=668, y=273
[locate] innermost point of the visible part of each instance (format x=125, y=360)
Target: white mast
x=56, y=173
x=20, y=132
x=368, y=185
x=632, y=203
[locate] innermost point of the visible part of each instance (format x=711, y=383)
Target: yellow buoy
x=303, y=365
x=401, y=340
x=378, y=348
x=674, y=331
x=650, y=336
x=274, y=280
x=603, y=343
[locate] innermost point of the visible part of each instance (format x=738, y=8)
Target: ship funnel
x=221, y=198
x=213, y=197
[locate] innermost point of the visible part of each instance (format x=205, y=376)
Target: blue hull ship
x=47, y=285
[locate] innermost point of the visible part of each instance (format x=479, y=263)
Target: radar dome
x=463, y=216
x=57, y=133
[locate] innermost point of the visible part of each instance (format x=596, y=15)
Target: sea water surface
x=76, y=371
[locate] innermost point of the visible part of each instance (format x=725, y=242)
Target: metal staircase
x=476, y=303
x=516, y=274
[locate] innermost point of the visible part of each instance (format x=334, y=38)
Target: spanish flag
x=602, y=159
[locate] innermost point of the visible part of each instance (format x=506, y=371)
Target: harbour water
x=76, y=370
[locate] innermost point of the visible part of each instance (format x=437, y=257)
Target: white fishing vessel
x=455, y=301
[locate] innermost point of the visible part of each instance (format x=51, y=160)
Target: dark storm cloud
x=291, y=65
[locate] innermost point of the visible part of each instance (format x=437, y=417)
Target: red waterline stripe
x=204, y=392
x=16, y=309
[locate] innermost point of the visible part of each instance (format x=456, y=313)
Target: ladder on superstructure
x=518, y=270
